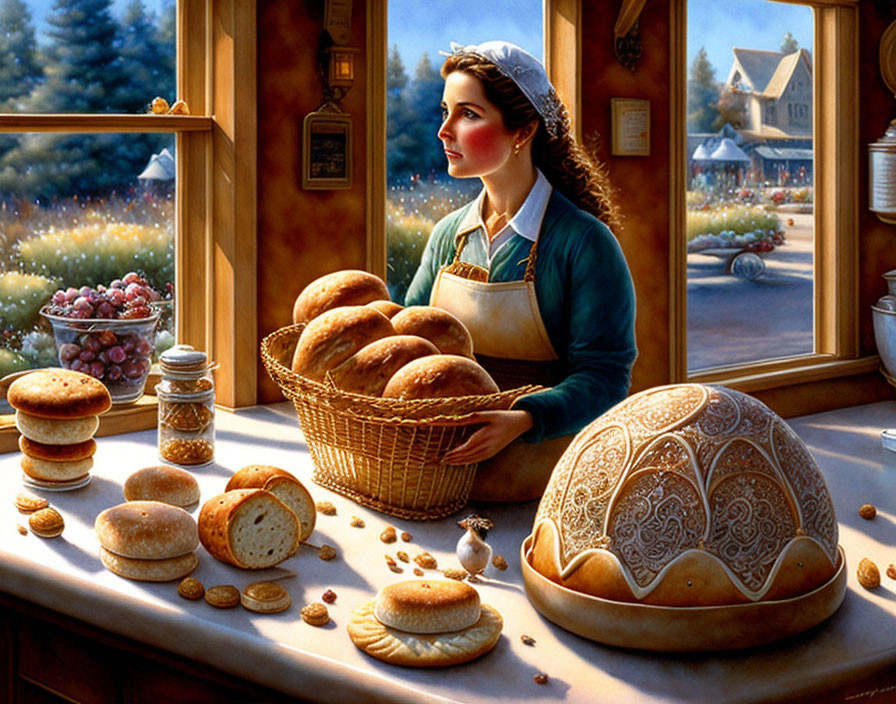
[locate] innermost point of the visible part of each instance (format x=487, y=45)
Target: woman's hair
x=571, y=169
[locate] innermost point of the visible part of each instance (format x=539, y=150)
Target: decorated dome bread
x=687, y=496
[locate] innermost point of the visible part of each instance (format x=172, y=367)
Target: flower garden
x=75, y=243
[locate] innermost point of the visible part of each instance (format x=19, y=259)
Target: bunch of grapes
x=120, y=355
x=128, y=297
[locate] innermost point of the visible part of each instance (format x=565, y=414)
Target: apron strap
x=478, y=273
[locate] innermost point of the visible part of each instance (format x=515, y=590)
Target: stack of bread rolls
x=148, y=541
x=260, y=520
x=164, y=483
x=57, y=414
x=369, y=345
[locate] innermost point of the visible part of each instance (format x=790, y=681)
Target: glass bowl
x=117, y=352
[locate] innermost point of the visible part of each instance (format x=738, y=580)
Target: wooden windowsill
x=104, y=123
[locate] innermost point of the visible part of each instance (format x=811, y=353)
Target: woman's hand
x=499, y=430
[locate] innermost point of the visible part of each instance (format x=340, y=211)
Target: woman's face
x=473, y=134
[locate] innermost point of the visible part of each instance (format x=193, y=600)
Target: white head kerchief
x=524, y=70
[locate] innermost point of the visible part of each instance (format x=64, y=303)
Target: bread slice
x=285, y=486
x=248, y=528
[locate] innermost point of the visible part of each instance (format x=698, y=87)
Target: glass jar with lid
x=186, y=397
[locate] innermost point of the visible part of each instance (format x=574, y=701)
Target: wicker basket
x=382, y=453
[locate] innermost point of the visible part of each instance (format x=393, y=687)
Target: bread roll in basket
x=688, y=517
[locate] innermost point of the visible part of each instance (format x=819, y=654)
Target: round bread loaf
x=170, y=485
x=368, y=370
x=248, y=528
x=57, y=432
x=387, y=308
x=428, y=606
x=439, y=376
x=334, y=336
x=50, y=471
x=146, y=530
x=285, y=486
x=57, y=453
x=351, y=287
x=59, y=393
x=440, y=327
x=164, y=570
x=686, y=496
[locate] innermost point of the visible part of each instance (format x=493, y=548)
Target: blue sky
x=718, y=25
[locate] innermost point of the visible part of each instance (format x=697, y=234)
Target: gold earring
x=516, y=149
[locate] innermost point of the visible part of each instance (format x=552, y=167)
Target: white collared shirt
x=526, y=222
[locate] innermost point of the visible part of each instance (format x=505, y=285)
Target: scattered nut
x=891, y=571
x=541, y=678
x=328, y=596
x=327, y=552
x=159, y=106
x=265, y=598
x=868, y=512
x=393, y=565
x=454, y=573
x=223, y=596
x=315, y=614
x=403, y=556
x=868, y=574
x=356, y=522
x=426, y=561
x=180, y=107
x=191, y=588
x=388, y=535
x=29, y=503
x=326, y=507
x=22, y=529
x=527, y=640
x=418, y=572
x=46, y=523
x=406, y=537
x=499, y=562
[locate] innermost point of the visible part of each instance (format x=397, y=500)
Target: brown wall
x=304, y=234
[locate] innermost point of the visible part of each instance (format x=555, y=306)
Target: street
x=732, y=320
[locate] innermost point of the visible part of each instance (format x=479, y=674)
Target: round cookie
x=147, y=530
x=170, y=485
x=399, y=647
x=59, y=393
x=164, y=570
x=265, y=598
x=57, y=453
x=57, y=431
x=50, y=471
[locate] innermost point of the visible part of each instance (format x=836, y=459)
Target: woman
x=529, y=266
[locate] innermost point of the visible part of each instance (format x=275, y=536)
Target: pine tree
x=424, y=101
x=703, y=94
x=789, y=44
x=401, y=161
x=142, y=60
x=20, y=68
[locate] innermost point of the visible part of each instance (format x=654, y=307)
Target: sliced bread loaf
x=285, y=486
x=248, y=528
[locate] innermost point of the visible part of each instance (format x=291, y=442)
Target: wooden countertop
x=282, y=652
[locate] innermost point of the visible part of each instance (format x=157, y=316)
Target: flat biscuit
x=59, y=393
x=50, y=471
x=423, y=650
x=57, y=432
x=169, y=485
x=166, y=570
x=57, y=453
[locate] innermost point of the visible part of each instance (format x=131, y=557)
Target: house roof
x=784, y=153
x=756, y=67
x=160, y=167
x=728, y=151
x=784, y=72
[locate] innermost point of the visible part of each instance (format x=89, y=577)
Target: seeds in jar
x=187, y=417
x=188, y=452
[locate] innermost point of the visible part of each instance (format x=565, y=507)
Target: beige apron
x=510, y=341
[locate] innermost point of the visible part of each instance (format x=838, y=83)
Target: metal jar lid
x=184, y=359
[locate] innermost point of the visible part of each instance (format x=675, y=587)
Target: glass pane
x=420, y=190
x=80, y=211
x=115, y=61
x=750, y=216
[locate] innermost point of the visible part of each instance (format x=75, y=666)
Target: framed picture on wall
x=327, y=151
x=630, y=127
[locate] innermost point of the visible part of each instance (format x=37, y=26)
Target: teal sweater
x=586, y=299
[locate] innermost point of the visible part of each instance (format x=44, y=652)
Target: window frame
x=215, y=203
x=836, y=139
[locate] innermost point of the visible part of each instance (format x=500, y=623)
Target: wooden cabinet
x=48, y=658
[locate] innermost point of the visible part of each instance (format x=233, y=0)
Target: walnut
x=868, y=574
x=499, y=562
x=326, y=507
x=426, y=561
x=868, y=512
x=327, y=552
x=388, y=535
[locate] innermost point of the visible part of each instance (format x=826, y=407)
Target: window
x=214, y=195
x=811, y=333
